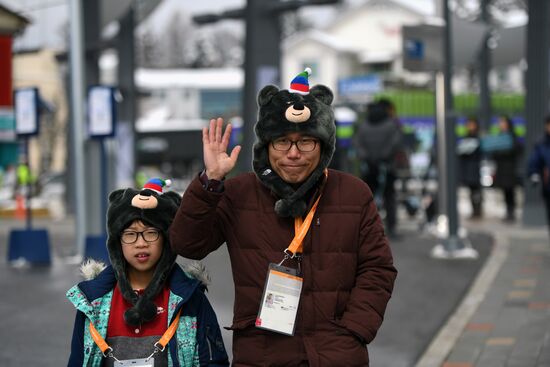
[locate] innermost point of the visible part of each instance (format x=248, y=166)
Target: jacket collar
x=179, y=283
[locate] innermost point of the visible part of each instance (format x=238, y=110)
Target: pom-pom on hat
x=300, y=83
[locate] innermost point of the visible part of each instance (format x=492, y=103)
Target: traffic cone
x=20, y=212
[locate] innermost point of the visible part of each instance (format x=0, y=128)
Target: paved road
x=36, y=317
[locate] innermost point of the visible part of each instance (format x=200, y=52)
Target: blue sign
x=414, y=49
x=367, y=84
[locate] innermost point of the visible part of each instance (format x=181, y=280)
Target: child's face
x=143, y=254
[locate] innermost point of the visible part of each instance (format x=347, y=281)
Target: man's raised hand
x=216, y=160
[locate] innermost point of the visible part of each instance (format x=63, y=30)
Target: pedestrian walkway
x=504, y=320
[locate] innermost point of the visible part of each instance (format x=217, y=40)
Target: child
x=125, y=310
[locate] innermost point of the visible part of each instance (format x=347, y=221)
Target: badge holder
x=280, y=300
x=144, y=362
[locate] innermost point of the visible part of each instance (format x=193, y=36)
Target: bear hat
x=297, y=109
x=152, y=207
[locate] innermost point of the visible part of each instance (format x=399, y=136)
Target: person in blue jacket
x=538, y=167
x=143, y=308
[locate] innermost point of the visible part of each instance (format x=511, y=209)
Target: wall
x=6, y=95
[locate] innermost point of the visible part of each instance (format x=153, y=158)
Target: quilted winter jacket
x=197, y=341
x=347, y=267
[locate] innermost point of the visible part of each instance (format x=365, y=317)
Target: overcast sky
x=49, y=16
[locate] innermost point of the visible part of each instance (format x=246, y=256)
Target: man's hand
x=216, y=160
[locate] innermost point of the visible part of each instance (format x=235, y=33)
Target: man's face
x=294, y=166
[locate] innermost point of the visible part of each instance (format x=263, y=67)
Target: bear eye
x=289, y=103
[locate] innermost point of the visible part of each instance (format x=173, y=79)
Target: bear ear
x=116, y=195
x=174, y=196
x=265, y=95
x=323, y=93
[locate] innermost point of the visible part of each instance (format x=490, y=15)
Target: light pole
x=452, y=246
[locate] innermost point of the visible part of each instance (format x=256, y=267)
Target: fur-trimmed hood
x=90, y=269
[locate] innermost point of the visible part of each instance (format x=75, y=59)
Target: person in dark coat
x=377, y=143
x=469, y=161
x=342, y=253
x=506, y=160
x=538, y=168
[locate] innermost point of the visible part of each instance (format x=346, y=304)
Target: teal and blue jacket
x=197, y=341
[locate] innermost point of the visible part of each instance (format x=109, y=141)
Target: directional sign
x=26, y=111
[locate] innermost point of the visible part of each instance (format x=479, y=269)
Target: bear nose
x=298, y=106
x=145, y=192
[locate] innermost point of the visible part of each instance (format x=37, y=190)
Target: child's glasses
x=130, y=237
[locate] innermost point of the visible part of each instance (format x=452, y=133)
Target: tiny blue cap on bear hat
x=300, y=83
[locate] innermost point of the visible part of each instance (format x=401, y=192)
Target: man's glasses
x=304, y=145
x=130, y=237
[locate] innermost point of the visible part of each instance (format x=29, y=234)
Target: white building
x=185, y=99
x=366, y=40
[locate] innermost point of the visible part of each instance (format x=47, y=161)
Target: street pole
x=28, y=184
x=536, y=100
x=125, y=45
x=78, y=83
x=483, y=72
x=452, y=246
x=92, y=160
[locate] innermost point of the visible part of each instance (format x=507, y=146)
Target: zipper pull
x=318, y=223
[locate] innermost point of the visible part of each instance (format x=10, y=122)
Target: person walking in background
x=506, y=159
x=538, y=168
x=317, y=227
x=377, y=143
x=469, y=161
x=125, y=308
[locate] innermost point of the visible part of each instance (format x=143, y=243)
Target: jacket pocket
x=242, y=324
x=342, y=299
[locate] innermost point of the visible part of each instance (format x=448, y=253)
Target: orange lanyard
x=163, y=341
x=301, y=227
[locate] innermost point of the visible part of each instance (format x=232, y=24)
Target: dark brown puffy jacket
x=347, y=267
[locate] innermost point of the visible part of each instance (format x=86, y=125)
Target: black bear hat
x=155, y=208
x=298, y=109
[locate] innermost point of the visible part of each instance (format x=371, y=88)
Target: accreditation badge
x=280, y=300
x=144, y=362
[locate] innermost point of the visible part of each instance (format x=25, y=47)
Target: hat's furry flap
x=197, y=270
x=91, y=268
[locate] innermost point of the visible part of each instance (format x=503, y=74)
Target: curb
x=446, y=338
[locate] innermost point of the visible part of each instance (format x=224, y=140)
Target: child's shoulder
x=197, y=270
x=189, y=281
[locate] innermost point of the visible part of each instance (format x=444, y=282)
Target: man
x=378, y=141
x=342, y=260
